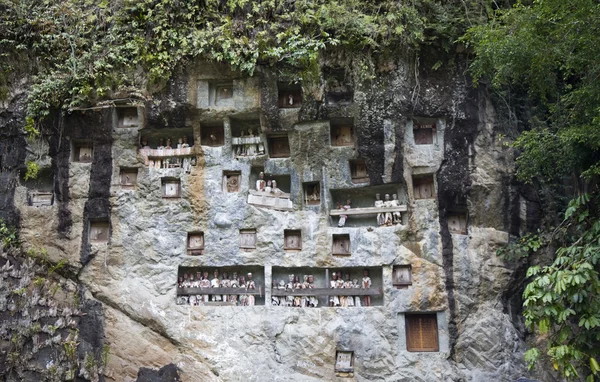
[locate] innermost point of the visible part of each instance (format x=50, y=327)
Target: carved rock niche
x=341, y=245
x=342, y=132
x=424, y=131
x=232, y=181
x=195, y=243
x=127, y=117
x=339, y=91
x=40, y=190
x=290, y=95
x=421, y=332
x=171, y=187
x=312, y=193
x=212, y=133
x=358, y=171
x=279, y=146
x=344, y=363
x=221, y=94
x=247, y=239
x=457, y=222
x=402, y=276
x=83, y=151
x=99, y=231
x=292, y=240
x=128, y=178
x=423, y=186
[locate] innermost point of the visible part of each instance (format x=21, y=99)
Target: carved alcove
x=212, y=133
x=246, y=137
x=423, y=186
x=341, y=131
x=340, y=245
x=424, y=131
x=156, y=151
x=83, y=151
x=39, y=190
x=279, y=146
x=195, y=243
x=99, y=231
x=402, y=276
x=197, y=285
x=171, y=187
x=339, y=90
x=128, y=178
x=277, y=198
x=358, y=171
x=127, y=117
x=247, y=239
x=290, y=95
x=457, y=222
x=220, y=93
x=327, y=288
x=312, y=193
x=422, y=332
x=364, y=209
x=344, y=363
x=292, y=240
x=232, y=181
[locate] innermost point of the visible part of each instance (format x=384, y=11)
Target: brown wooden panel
x=423, y=136
x=421, y=332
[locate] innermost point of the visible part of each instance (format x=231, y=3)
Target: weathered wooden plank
x=368, y=210
x=328, y=292
x=235, y=291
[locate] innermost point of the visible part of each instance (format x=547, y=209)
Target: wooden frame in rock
x=195, y=243
x=421, y=332
x=344, y=362
x=99, y=231
x=341, y=245
x=128, y=178
x=232, y=181
x=171, y=188
x=292, y=240
x=402, y=276
x=358, y=171
x=247, y=239
x=423, y=186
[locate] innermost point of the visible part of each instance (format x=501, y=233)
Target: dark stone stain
x=91, y=332
x=167, y=373
x=60, y=152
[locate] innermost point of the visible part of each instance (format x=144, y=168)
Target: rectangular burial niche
x=247, y=239
x=362, y=202
x=246, y=140
x=197, y=286
x=421, y=332
x=290, y=95
x=220, y=93
x=344, y=363
x=402, y=276
x=284, y=182
x=358, y=171
x=423, y=186
x=312, y=193
x=340, y=245
x=39, y=190
x=292, y=240
x=424, y=131
x=171, y=187
x=127, y=117
x=195, y=243
x=212, y=133
x=232, y=181
x=341, y=131
x=279, y=146
x=339, y=91
x=83, y=151
x=128, y=177
x=99, y=231
x=289, y=288
x=157, y=138
x=457, y=222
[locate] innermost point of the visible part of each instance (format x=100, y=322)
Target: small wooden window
x=128, y=117
x=83, y=152
x=221, y=94
x=212, y=134
x=232, y=181
x=402, y=276
x=171, y=188
x=341, y=132
x=341, y=245
x=128, y=178
x=40, y=198
x=99, y=232
x=292, y=240
x=344, y=362
x=224, y=92
x=422, y=332
x=290, y=96
x=248, y=238
x=195, y=243
x=457, y=223
x=358, y=171
x=423, y=187
x=279, y=147
x=312, y=193
x=424, y=134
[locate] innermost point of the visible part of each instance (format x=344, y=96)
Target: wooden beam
x=368, y=211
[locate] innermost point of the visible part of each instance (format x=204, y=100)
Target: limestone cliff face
x=456, y=277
